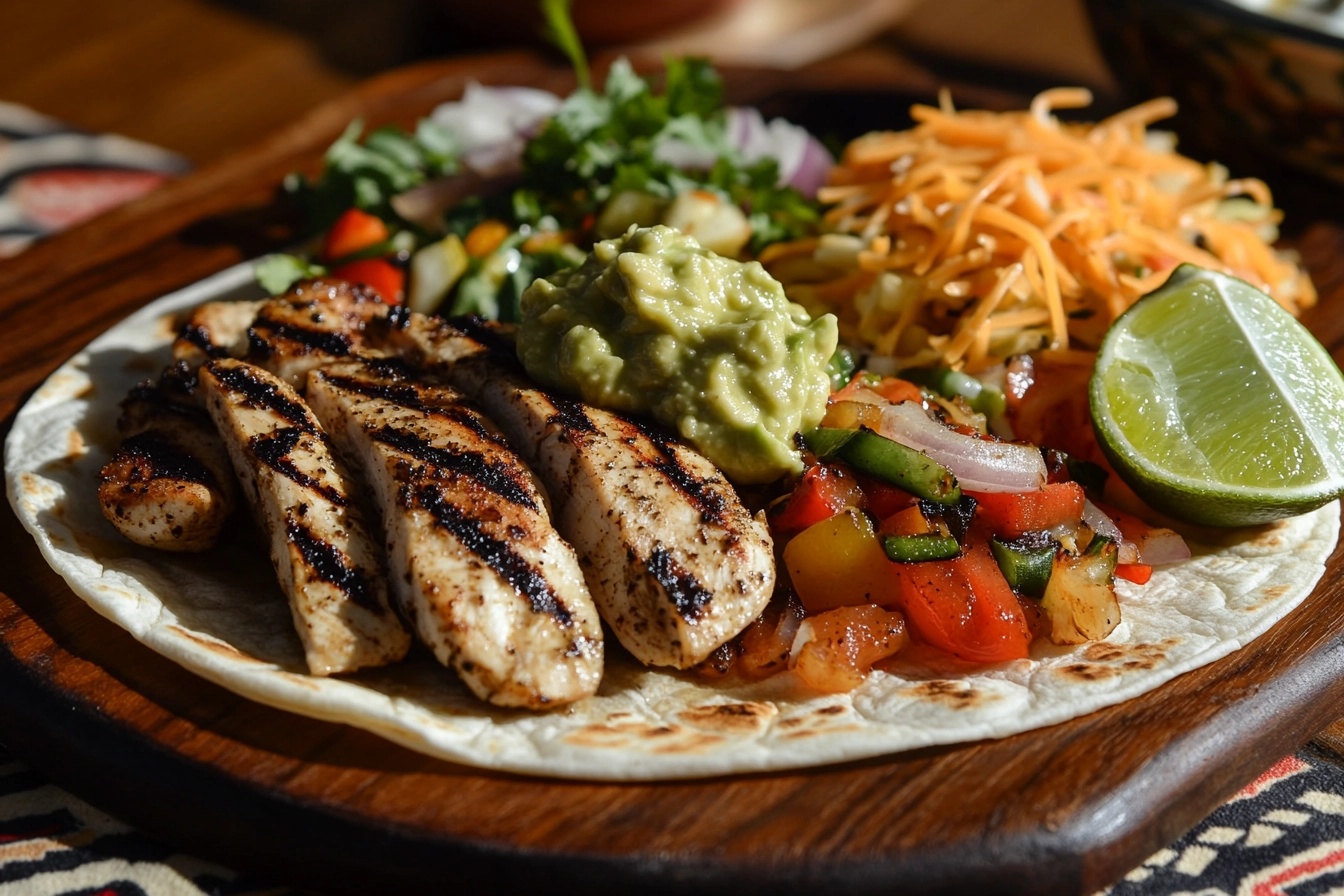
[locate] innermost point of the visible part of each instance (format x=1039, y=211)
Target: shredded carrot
x=979, y=234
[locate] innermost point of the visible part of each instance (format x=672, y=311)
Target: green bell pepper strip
x=1026, y=563
x=950, y=383
x=917, y=548
x=887, y=460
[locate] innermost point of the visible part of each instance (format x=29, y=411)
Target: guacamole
x=653, y=323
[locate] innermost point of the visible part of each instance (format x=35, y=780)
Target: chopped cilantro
x=368, y=174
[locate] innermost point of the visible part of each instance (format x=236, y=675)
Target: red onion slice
x=980, y=465
x=492, y=124
x=804, y=163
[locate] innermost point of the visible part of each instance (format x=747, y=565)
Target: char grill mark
x=407, y=396
x=168, y=485
x=494, y=552
x=691, y=598
x=315, y=323
x=495, y=478
x=264, y=334
x=199, y=336
x=275, y=450
x=264, y=394
x=490, y=337
x=156, y=457
x=210, y=331
x=331, y=565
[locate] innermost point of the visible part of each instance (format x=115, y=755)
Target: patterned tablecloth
x=1283, y=835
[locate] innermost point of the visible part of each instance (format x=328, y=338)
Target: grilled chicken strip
x=475, y=564
x=327, y=564
x=676, y=564
x=316, y=322
x=169, y=485
x=166, y=486
x=214, y=330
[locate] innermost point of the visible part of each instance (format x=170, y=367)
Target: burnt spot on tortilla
x=1089, y=671
x=1130, y=657
x=729, y=718
x=952, y=694
x=1267, y=595
x=821, y=720
x=1100, y=660
x=653, y=737
x=1270, y=536
x=1101, y=652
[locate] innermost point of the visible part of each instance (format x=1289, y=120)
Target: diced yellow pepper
x=838, y=562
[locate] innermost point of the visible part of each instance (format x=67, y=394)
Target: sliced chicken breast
x=169, y=484
x=214, y=330
x=316, y=322
x=477, y=567
x=675, y=562
x=328, y=564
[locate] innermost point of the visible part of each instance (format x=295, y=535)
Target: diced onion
x=1160, y=546
x=803, y=635
x=1101, y=523
x=981, y=465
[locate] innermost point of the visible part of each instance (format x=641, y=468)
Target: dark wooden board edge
x=128, y=760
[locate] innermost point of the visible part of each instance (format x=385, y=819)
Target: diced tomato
x=381, y=275
x=883, y=500
x=897, y=390
x=1048, y=405
x=765, y=644
x=1138, y=573
x=844, y=645
x=963, y=606
x=821, y=493
x=1011, y=514
x=891, y=388
x=838, y=562
x=353, y=231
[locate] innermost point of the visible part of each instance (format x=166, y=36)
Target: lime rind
x=1217, y=406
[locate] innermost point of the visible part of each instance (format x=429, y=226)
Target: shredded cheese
x=975, y=235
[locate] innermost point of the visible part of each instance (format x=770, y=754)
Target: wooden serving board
x=1065, y=809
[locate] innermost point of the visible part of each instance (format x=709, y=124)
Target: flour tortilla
x=222, y=616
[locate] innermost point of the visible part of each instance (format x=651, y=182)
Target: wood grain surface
x=1067, y=809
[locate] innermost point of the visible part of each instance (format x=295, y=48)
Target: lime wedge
x=1217, y=406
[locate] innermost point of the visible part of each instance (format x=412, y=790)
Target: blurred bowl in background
x=600, y=23
x=1260, y=84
